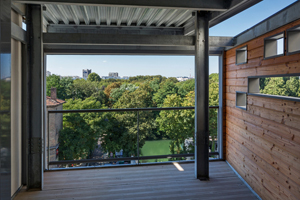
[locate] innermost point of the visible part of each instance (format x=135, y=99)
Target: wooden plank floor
x=144, y=182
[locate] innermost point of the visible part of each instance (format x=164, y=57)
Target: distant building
x=55, y=124
x=183, y=78
x=73, y=77
x=85, y=73
x=48, y=73
x=115, y=77
x=113, y=74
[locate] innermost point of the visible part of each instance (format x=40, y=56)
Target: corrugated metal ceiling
x=115, y=16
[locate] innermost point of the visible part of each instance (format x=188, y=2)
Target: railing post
x=138, y=144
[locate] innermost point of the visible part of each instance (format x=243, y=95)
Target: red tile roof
x=53, y=102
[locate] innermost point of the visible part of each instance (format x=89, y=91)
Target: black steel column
x=35, y=103
x=5, y=103
x=201, y=96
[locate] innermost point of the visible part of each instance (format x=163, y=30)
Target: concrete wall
x=16, y=125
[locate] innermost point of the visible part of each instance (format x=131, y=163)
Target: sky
x=169, y=66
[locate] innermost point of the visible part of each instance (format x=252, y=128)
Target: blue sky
x=170, y=66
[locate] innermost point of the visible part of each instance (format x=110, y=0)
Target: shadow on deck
x=145, y=182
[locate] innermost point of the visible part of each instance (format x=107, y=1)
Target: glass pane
x=110, y=135
x=172, y=133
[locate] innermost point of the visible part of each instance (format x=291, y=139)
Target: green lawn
x=156, y=147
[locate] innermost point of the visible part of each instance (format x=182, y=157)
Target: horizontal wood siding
x=263, y=142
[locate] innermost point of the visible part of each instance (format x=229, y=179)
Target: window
x=241, y=100
x=281, y=86
x=241, y=55
x=274, y=46
x=293, y=40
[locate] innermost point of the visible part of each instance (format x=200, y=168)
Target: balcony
x=143, y=182
x=125, y=137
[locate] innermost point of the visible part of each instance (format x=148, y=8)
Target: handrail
x=125, y=158
x=125, y=109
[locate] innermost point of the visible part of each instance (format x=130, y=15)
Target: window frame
x=287, y=39
x=246, y=55
x=252, y=83
x=238, y=95
x=270, y=39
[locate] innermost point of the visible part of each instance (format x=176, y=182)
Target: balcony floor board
x=145, y=182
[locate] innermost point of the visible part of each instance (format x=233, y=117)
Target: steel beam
x=124, y=50
x=211, y=5
x=5, y=101
x=140, y=30
x=201, y=96
x=108, y=39
x=18, y=33
x=136, y=40
x=35, y=110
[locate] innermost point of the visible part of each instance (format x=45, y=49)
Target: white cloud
x=104, y=61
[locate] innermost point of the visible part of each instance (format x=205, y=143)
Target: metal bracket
x=35, y=146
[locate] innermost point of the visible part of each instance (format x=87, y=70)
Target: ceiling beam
x=124, y=50
x=61, y=28
x=140, y=40
x=110, y=39
x=208, y=5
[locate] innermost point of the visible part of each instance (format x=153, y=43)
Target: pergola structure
x=115, y=27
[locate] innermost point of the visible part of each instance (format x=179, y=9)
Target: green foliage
x=178, y=124
x=276, y=86
x=62, y=85
x=94, y=77
x=118, y=130
x=214, y=89
x=166, y=88
x=79, y=136
x=82, y=89
x=116, y=93
x=185, y=87
x=282, y=86
x=139, y=98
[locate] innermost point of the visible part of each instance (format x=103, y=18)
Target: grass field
x=156, y=147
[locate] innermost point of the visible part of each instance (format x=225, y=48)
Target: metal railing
x=138, y=158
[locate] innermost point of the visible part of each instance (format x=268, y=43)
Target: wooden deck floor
x=145, y=182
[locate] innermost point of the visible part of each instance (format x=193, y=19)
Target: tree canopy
x=94, y=77
x=116, y=131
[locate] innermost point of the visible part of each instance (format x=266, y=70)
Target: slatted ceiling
x=115, y=16
x=146, y=182
x=263, y=143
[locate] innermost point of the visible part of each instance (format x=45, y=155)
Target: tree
x=62, y=85
x=178, y=124
x=82, y=89
x=94, y=77
x=276, y=86
x=185, y=87
x=166, y=88
x=139, y=98
x=111, y=86
x=292, y=85
x=213, y=113
x=116, y=93
x=79, y=135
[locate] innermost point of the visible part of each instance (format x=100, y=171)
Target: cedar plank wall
x=263, y=143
